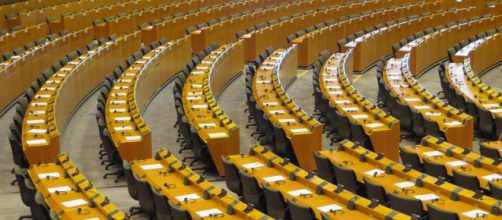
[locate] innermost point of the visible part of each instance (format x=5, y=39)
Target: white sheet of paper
x=372, y=172
x=405, y=184
x=492, y=177
x=209, y=212
x=152, y=166
x=330, y=208
x=122, y=128
x=36, y=141
x=434, y=153
x=73, y=203
x=457, y=163
x=286, y=120
x=48, y=175
x=474, y=213
x=420, y=107
x=374, y=125
x=187, y=197
x=453, y=123
x=299, y=192
x=199, y=106
x=252, y=165
x=133, y=138
x=426, y=197
x=35, y=121
x=217, y=135
x=207, y=125
x=299, y=130
x=59, y=189
x=274, y=178
x=361, y=116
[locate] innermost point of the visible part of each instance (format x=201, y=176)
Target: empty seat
x=232, y=177
x=178, y=213
x=376, y=192
x=410, y=158
x=489, y=151
x=347, y=178
x=436, y=213
x=324, y=168
x=276, y=204
x=466, y=181
x=495, y=191
x=299, y=212
x=434, y=169
x=409, y=206
x=251, y=191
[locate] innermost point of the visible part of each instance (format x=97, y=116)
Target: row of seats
x=348, y=114
x=22, y=36
x=282, y=123
x=284, y=191
x=400, y=186
x=167, y=189
x=457, y=165
x=25, y=6
x=209, y=131
x=464, y=90
x=60, y=191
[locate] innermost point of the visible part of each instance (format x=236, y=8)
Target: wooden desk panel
x=349, y=156
x=294, y=178
x=168, y=175
x=303, y=132
x=382, y=129
x=22, y=37
x=19, y=75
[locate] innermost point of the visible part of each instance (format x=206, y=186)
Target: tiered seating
x=430, y=116
x=226, y=30
x=167, y=188
x=15, y=41
x=122, y=101
x=313, y=43
x=284, y=32
x=348, y=113
x=211, y=132
x=369, y=47
x=401, y=187
x=9, y=12
x=19, y=71
x=284, y=125
x=274, y=184
x=54, y=101
x=60, y=191
x=456, y=164
x=463, y=88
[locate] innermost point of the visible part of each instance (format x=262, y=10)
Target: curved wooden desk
x=321, y=196
x=17, y=73
x=133, y=91
x=192, y=192
x=52, y=106
x=396, y=178
x=303, y=132
x=200, y=91
x=382, y=129
x=275, y=35
x=68, y=194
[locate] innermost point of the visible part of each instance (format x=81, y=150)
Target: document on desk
x=270, y=103
x=124, y=80
x=187, y=197
x=152, y=166
x=427, y=197
x=117, y=110
x=217, y=135
x=48, y=175
x=286, y=120
x=59, y=189
x=361, y=116
x=405, y=184
x=374, y=172
x=412, y=99
x=300, y=130
x=36, y=141
x=493, y=177
x=274, y=179
x=457, y=163
x=276, y=112
x=133, y=138
x=420, y=107
x=263, y=81
x=499, y=110
x=374, y=125
x=351, y=108
x=199, y=106
x=330, y=208
x=207, y=125
x=332, y=87
x=331, y=80
x=36, y=121
x=43, y=96
x=434, y=153
x=299, y=192
x=209, y=212
x=252, y=165
x=128, y=118
x=198, y=72
x=194, y=98
x=336, y=92
x=453, y=123
x=73, y=203
x=344, y=101
x=122, y=128
x=491, y=105
x=474, y=214
x=37, y=131
x=117, y=102
x=433, y=113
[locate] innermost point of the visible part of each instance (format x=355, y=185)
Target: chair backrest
x=410, y=158
x=374, y=191
x=345, y=177
x=299, y=212
x=276, y=205
x=251, y=191
x=489, y=151
x=131, y=183
x=162, y=210
x=466, y=181
x=178, y=213
x=232, y=177
x=324, y=168
x=495, y=191
x=486, y=122
x=343, y=126
x=145, y=196
x=407, y=206
x=440, y=214
x=432, y=128
x=434, y=169
x=418, y=123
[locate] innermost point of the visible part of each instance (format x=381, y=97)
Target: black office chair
x=232, y=177
x=347, y=178
x=409, y=206
x=440, y=214
x=359, y=136
x=411, y=159
x=276, y=205
x=343, y=126
x=486, y=122
x=495, y=191
x=41, y=207
x=489, y=151
x=324, y=168
x=145, y=197
x=466, y=181
x=376, y=192
x=162, y=210
x=435, y=169
x=432, y=128
x=251, y=191
x=403, y=113
x=299, y=212
x=178, y=213
x=282, y=144
x=418, y=123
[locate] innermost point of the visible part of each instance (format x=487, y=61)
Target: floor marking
x=300, y=75
x=357, y=78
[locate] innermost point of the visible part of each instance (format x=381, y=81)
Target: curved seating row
x=350, y=115
x=167, y=188
x=10, y=11
x=401, y=187
x=63, y=192
x=289, y=129
x=213, y=132
x=276, y=35
x=53, y=104
x=463, y=88
x=274, y=184
x=128, y=96
x=463, y=167
x=313, y=43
